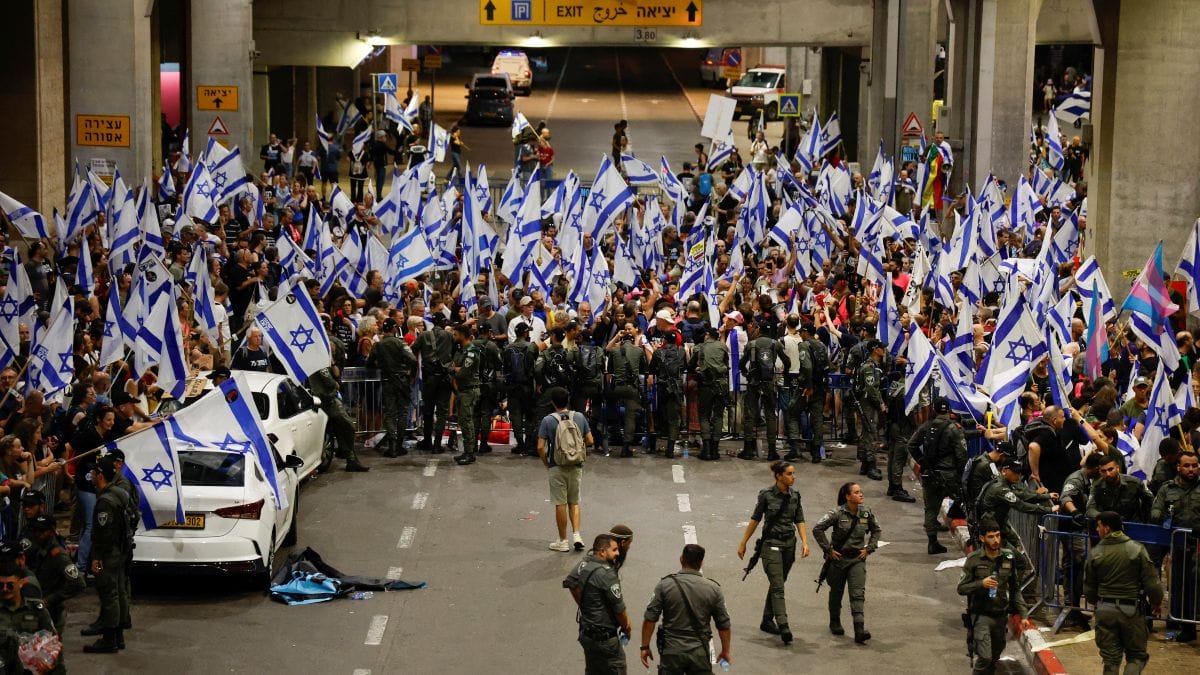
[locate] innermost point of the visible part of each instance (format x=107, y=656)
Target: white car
x=759, y=89
x=516, y=64
x=232, y=525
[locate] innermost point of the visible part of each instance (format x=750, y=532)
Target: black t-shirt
x=252, y=359
x=83, y=441
x=235, y=276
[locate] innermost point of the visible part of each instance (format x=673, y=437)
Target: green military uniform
x=26, y=619
x=134, y=515
x=868, y=386
x=58, y=576
x=760, y=394
x=818, y=355
x=1118, y=571
x=600, y=602
x=112, y=546
x=489, y=388
x=1000, y=497
x=1164, y=472
x=942, y=440
x=710, y=361
x=396, y=364
x=798, y=382
x=779, y=512
x=338, y=421
x=1077, y=488
x=626, y=361
x=587, y=391
x=555, y=367
x=899, y=428
x=852, y=532
x=466, y=367
x=1129, y=497
x=1177, y=504
x=518, y=382
x=436, y=349
x=980, y=471
x=988, y=614
x=682, y=644
x=667, y=365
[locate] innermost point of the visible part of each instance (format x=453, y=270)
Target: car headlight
x=757, y=98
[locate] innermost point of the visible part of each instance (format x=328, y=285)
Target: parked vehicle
x=759, y=89
x=516, y=65
x=490, y=100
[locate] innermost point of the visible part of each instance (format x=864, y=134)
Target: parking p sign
x=789, y=105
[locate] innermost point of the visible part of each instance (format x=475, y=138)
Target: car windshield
x=491, y=83
x=759, y=80
x=213, y=469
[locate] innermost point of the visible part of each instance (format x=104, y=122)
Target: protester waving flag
x=293, y=328
x=162, y=338
x=51, y=355
x=1017, y=345
x=831, y=135
x=359, y=143
x=1151, y=308
x=410, y=256
x=1054, y=150
x=920, y=356
x=351, y=116
x=28, y=222
x=200, y=195
x=608, y=198
x=325, y=137
x=721, y=150
x=1189, y=268
x=1161, y=415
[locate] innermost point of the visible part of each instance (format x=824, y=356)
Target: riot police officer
x=436, y=349
x=868, y=386
x=1004, y=494
x=667, y=366
x=818, y=356
x=112, y=543
x=991, y=581
x=596, y=588
x=710, y=361
x=1118, y=572
x=19, y=616
x=626, y=361
x=489, y=384
x=758, y=363
x=55, y=570
x=688, y=604
x=338, y=422
x=518, y=359
x=396, y=364
x=855, y=536
x=466, y=387
x=941, y=448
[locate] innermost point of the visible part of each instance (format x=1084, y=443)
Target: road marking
x=586, y=100
x=394, y=573
x=679, y=83
x=621, y=88
x=677, y=473
x=431, y=466
x=361, y=671
x=689, y=534
x=406, y=537
x=375, y=631
x=654, y=101
x=419, y=500
x=685, y=503
x=554, y=97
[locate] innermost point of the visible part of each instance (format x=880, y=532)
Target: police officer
x=1073, y=501
x=667, y=366
x=758, y=364
x=779, y=505
x=555, y=368
x=710, y=362
x=818, y=356
x=900, y=428
x=855, y=536
x=991, y=581
x=56, y=572
x=466, y=370
x=339, y=424
x=626, y=360
x=396, y=364
x=436, y=349
x=587, y=391
x=519, y=357
x=981, y=470
x=687, y=602
x=941, y=449
x=868, y=387
x=1177, y=504
x=1004, y=494
x=19, y=616
x=1117, y=573
x=1122, y=493
x=111, y=547
x=489, y=385
x=624, y=536
x=596, y=588
x=797, y=384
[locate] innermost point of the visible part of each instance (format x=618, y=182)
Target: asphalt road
x=494, y=602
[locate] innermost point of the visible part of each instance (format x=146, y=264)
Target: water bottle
x=724, y=665
x=992, y=591
x=624, y=637
x=686, y=450
x=362, y=595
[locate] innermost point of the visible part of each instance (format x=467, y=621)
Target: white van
x=516, y=64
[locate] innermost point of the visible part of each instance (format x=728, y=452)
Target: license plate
x=191, y=521
x=489, y=114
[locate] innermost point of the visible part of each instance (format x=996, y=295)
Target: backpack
x=487, y=367
x=669, y=375
x=569, y=448
x=516, y=365
x=1024, y=435
x=704, y=184
x=623, y=370
x=931, y=446
x=591, y=362
x=555, y=371
x=820, y=360
x=764, y=364
x=712, y=367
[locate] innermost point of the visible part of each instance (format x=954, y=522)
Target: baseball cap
x=121, y=397
x=117, y=454
x=664, y=315
x=220, y=371
x=526, y=301
x=522, y=328
x=1013, y=464
x=1006, y=448
x=33, y=498
x=941, y=405
x=736, y=316
x=1141, y=382
x=40, y=523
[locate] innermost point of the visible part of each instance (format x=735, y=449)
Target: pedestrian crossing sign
x=385, y=83
x=789, y=105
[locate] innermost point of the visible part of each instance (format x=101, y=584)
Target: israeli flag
x=184, y=163
x=519, y=125
x=166, y=185
x=82, y=209
x=360, y=141
x=350, y=117
x=294, y=330
x=340, y=205
x=84, y=277
x=511, y=199
x=393, y=111
x=1017, y=346
x=1054, y=149
x=831, y=135
x=721, y=150
x=200, y=195
x=963, y=398
x=1059, y=370
x=608, y=198
x=123, y=233
x=638, y=172
x=152, y=465
x=1025, y=206
x=324, y=136
x=671, y=185
x=28, y=222
x=149, y=229
x=412, y=111
x=524, y=231
x=482, y=190
x=162, y=335
x=809, y=150
x=920, y=356
x=202, y=290
x=1075, y=107
x=51, y=364
x=112, y=345
x=1089, y=275
x=1189, y=268
x=330, y=262
x=228, y=173
x=293, y=259
x=439, y=142
x=1160, y=417
x=410, y=256
x=888, y=329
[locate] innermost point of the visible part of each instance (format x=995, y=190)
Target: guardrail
x=362, y=394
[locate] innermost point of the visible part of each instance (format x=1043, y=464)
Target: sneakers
x=577, y=541
x=560, y=545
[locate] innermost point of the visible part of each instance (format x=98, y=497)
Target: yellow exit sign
x=216, y=97
x=591, y=12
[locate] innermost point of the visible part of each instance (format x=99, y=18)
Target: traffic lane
x=205, y=624
x=662, y=122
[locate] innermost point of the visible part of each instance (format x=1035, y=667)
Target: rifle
x=834, y=546
x=759, y=543
x=969, y=624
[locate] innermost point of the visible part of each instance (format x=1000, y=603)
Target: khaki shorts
x=564, y=484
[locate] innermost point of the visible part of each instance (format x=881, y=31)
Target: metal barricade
x=362, y=394
x=1184, y=580
x=839, y=386
x=1063, y=548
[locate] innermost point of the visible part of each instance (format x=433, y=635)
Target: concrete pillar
x=956, y=118
x=917, y=42
x=1006, y=38
x=304, y=104
x=111, y=78
x=879, y=93
x=51, y=105
x=220, y=73
x=1149, y=121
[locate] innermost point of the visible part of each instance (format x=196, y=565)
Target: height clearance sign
x=590, y=12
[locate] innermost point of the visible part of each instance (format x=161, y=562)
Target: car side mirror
x=316, y=403
x=292, y=462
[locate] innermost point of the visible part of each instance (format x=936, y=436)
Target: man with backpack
x=868, y=389
x=797, y=383
x=519, y=357
x=758, y=364
x=626, y=361
x=941, y=449
x=710, y=362
x=435, y=347
x=667, y=366
x=490, y=364
x=587, y=390
x=818, y=355
x=563, y=439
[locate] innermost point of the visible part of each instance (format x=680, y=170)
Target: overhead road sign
x=591, y=12
x=385, y=83
x=410, y=65
x=108, y=131
x=789, y=105
x=912, y=127
x=221, y=97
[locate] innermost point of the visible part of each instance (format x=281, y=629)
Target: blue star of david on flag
x=9, y=308
x=108, y=328
x=401, y=261
x=302, y=337
x=219, y=181
x=230, y=444
x=1019, y=350
x=204, y=189
x=910, y=369
x=821, y=238
x=597, y=199
x=66, y=362
x=148, y=475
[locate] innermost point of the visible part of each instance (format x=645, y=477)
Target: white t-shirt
x=537, y=329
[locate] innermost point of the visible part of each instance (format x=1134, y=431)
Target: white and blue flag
x=152, y=465
x=410, y=256
x=920, y=355
x=28, y=222
x=293, y=327
x=1017, y=345
x=888, y=329
x=201, y=195
x=608, y=198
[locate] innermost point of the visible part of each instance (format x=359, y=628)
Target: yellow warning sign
x=217, y=97
x=641, y=13
x=109, y=131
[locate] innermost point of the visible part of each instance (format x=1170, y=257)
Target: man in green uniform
x=436, y=348
x=134, y=516
x=856, y=534
x=1165, y=468
x=980, y=471
x=818, y=355
x=798, y=383
x=1177, y=504
x=758, y=363
x=1119, y=492
x=941, y=450
x=396, y=364
x=626, y=361
x=1073, y=501
x=519, y=357
x=991, y=580
x=587, y=391
x=18, y=617
x=340, y=425
x=868, y=388
x=1117, y=573
x=687, y=602
x=466, y=370
x=489, y=384
x=56, y=572
x=1003, y=495
x=555, y=368
x=666, y=367
x=596, y=588
x=710, y=362
x=111, y=548
x=900, y=428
